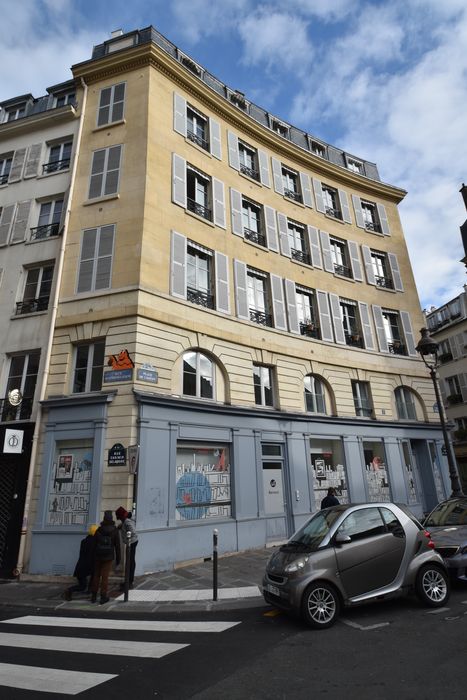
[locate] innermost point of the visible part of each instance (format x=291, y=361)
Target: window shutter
x=369, y=269
x=21, y=221
x=112, y=174
x=32, y=163
x=318, y=196
x=345, y=209
x=219, y=202
x=64, y=210
x=5, y=222
x=234, y=158
x=452, y=342
x=326, y=248
x=264, y=169
x=277, y=175
x=357, y=207
x=459, y=339
x=179, y=180
x=271, y=228
x=324, y=316
x=283, y=234
x=383, y=219
x=355, y=261
x=306, y=190
x=118, y=102
x=103, y=114
x=215, y=139
x=408, y=333
x=381, y=335
x=104, y=257
x=179, y=114
x=463, y=385
x=236, y=212
x=396, y=275
x=17, y=165
x=315, y=249
x=178, y=265
x=86, y=262
x=97, y=173
x=291, y=299
x=222, y=283
x=366, y=325
x=337, y=318
x=241, y=289
x=278, y=306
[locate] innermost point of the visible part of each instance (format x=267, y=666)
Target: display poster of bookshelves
x=70, y=484
x=376, y=472
x=327, y=463
x=203, y=483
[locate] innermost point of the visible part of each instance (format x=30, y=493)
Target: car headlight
x=296, y=565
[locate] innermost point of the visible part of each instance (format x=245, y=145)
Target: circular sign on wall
x=15, y=397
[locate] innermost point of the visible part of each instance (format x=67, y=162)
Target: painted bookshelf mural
x=70, y=485
x=203, y=483
x=327, y=463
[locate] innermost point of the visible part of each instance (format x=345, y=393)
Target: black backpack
x=104, y=546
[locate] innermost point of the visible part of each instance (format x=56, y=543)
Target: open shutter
x=278, y=306
x=366, y=325
x=234, y=158
x=64, y=210
x=458, y=340
x=369, y=269
x=381, y=335
x=236, y=212
x=306, y=190
x=21, y=221
x=355, y=261
x=179, y=114
x=291, y=299
x=326, y=248
x=5, y=222
x=315, y=249
x=33, y=159
x=178, y=265
x=452, y=342
x=219, y=202
x=383, y=219
x=87, y=260
x=396, y=275
x=215, y=138
x=17, y=165
x=271, y=228
x=179, y=180
x=283, y=234
x=324, y=316
x=222, y=283
x=241, y=289
x=408, y=333
x=357, y=207
x=463, y=385
x=277, y=175
x=264, y=168
x=345, y=209
x=337, y=318
x=319, y=196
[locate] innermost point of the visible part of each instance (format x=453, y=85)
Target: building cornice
x=36, y=122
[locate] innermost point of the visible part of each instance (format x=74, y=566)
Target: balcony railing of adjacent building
x=56, y=165
x=355, y=340
x=373, y=226
x=12, y=413
x=397, y=348
x=260, y=317
x=251, y=172
x=453, y=399
x=4, y=178
x=199, y=209
x=343, y=270
x=198, y=140
x=445, y=357
x=310, y=330
x=46, y=231
x=301, y=256
x=31, y=306
x=292, y=194
x=385, y=282
x=196, y=296
x=255, y=237
x=336, y=213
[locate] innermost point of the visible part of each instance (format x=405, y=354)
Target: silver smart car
x=351, y=554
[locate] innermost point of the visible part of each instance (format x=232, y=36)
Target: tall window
x=36, y=291
x=263, y=383
x=258, y=297
x=362, y=399
x=370, y=217
x=22, y=376
x=199, y=276
x=405, y=404
x=88, y=367
x=298, y=242
x=454, y=390
x=198, y=188
x=49, y=220
x=339, y=257
x=315, y=395
x=197, y=127
x=59, y=157
x=5, y=167
x=331, y=201
x=380, y=268
x=105, y=172
x=111, y=104
x=248, y=160
x=198, y=375
x=392, y=330
x=290, y=182
x=328, y=468
x=251, y=219
x=95, y=265
x=351, y=323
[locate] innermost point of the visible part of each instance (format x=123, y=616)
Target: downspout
x=35, y=439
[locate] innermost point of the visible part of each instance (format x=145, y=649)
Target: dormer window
x=190, y=64
x=238, y=99
x=318, y=149
x=16, y=113
x=354, y=165
x=280, y=128
x=66, y=98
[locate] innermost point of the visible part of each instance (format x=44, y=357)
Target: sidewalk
x=188, y=588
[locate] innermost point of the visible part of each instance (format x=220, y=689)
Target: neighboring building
x=259, y=281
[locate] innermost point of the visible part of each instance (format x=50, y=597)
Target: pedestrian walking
x=127, y=525
x=330, y=499
x=85, y=565
x=107, y=548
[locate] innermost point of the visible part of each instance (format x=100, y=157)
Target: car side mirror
x=340, y=538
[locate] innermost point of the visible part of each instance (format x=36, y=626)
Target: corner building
x=259, y=280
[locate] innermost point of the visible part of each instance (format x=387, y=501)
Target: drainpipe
x=45, y=374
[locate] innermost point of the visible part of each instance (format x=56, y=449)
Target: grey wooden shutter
x=222, y=283
x=219, y=202
x=64, y=209
x=452, y=342
x=215, y=138
x=104, y=257
x=263, y=163
x=383, y=219
x=241, y=289
x=87, y=260
x=103, y=113
x=381, y=335
x=234, y=158
x=463, y=385
x=271, y=228
x=112, y=173
x=178, y=265
x=395, y=272
x=408, y=333
x=336, y=313
x=278, y=306
x=236, y=212
x=21, y=221
x=306, y=190
x=326, y=248
x=366, y=325
x=33, y=159
x=357, y=207
x=345, y=209
x=291, y=299
x=97, y=173
x=324, y=316
x=355, y=261
x=179, y=114
x=277, y=175
x=283, y=234
x=315, y=248
x=5, y=222
x=319, y=196
x=459, y=341
x=179, y=180
x=369, y=269
x=17, y=165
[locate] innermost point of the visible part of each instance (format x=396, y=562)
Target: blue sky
x=383, y=79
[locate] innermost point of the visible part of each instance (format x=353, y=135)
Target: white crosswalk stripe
x=49, y=680
x=110, y=624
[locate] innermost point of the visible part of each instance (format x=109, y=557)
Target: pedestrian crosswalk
x=74, y=682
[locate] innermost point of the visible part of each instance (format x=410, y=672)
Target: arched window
x=405, y=404
x=198, y=375
x=315, y=394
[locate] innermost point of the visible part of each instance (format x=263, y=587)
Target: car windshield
x=448, y=513
x=315, y=530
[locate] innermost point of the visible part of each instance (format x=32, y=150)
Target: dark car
x=351, y=554
x=448, y=527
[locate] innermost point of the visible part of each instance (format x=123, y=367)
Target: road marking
x=158, y=596
x=271, y=613
x=110, y=647
x=464, y=602
x=437, y=611
x=130, y=625
x=50, y=680
x=362, y=627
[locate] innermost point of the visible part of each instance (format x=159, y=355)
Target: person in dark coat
x=85, y=565
x=107, y=549
x=330, y=499
x=126, y=527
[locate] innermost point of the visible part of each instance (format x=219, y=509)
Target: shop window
x=376, y=472
x=203, y=482
x=70, y=484
x=412, y=490
x=198, y=375
x=328, y=469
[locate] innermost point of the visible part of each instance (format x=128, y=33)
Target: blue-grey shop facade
x=255, y=475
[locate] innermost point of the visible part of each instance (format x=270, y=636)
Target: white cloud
x=201, y=18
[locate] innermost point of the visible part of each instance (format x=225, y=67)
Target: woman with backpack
x=107, y=548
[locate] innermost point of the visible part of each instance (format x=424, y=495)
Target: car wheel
x=432, y=586
x=320, y=605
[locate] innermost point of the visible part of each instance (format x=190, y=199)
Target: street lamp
x=428, y=349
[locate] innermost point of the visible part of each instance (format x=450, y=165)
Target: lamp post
x=428, y=348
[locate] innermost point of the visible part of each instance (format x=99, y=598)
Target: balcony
x=255, y=237
x=199, y=209
x=343, y=271
x=292, y=194
x=31, y=306
x=55, y=165
x=46, y=231
x=250, y=172
x=12, y=413
x=397, y=348
x=385, y=282
x=363, y=409
x=310, y=330
x=335, y=213
x=355, y=340
x=373, y=226
x=196, y=296
x=261, y=318
x=300, y=256
x=198, y=140
x=4, y=178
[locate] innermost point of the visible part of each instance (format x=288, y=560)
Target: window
x=199, y=275
x=290, y=181
x=362, y=399
x=105, y=172
x=380, y=268
x=318, y=149
x=306, y=312
x=370, y=217
x=280, y=128
x=298, y=242
x=453, y=390
x=328, y=468
x=405, y=404
x=258, y=297
x=354, y=165
x=36, y=290
x=71, y=474
x=362, y=524
x=95, y=264
x=88, y=367
x=59, y=157
x=445, y=352
x=197, y=127
x=248, y=160
x=198, y=375
x=262, y=380
x=392, y=330
x=315, y=395
x=22, y=376
x=111, y=104
x=331, y=201
x=340, y=257
x=202, y=482
x=16, y=113
x=376, y=472
x=67, y=98
x=251, y=219
x=351, y=323
x=49, y=220
x=198, y=189
x=5, y=167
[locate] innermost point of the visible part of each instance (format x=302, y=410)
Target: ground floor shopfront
x=255, y=475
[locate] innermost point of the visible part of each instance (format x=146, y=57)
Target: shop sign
x=13, y=442
x=117, y=455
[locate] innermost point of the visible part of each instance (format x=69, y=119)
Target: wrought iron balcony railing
x=196, y=296
x=373, y=226
x=343, y=270
x=54, y=165
x=31, y=306
x=310, y=330
x=397, y=348
x=4, y=178
x=300, y=255
x=385, y=282
x=333, y=212
x=292, y=194
x=46, y=231
x=12, y=413
x=251, y=172
x=364, y=409
x=260, y=317
x=255, y=237
x=199, y=209
x=198, y=140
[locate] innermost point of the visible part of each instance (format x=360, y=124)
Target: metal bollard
x=215, y=533
x=127, y=567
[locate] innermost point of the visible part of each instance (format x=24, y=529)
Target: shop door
x=275, y=491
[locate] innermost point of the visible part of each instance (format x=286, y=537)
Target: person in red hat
x=127, y=525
